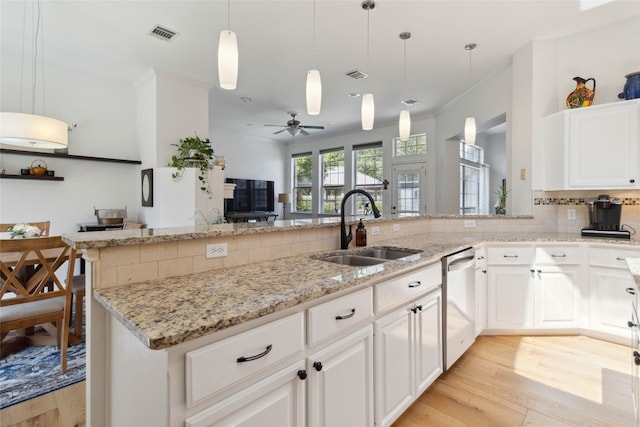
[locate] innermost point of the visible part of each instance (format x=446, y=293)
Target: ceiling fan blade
x=312, y=127
x=280, y=131
x=303, y=132
x=280, y=126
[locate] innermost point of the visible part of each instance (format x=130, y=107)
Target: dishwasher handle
x=462, y=263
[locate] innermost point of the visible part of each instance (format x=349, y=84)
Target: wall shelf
x=65, y=156
x=33, y=177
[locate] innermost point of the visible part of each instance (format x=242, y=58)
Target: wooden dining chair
x=42, y=225
x=78, y=294
x=24, y=300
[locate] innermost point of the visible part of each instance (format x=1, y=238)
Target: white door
x=408, y=189
x=428, y=333
x=278, y=400
x=394, y=357
x=341, y=382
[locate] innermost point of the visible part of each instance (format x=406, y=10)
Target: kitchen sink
x=388, y=253
x=352, y=260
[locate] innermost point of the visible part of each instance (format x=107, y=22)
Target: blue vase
x=631, y=88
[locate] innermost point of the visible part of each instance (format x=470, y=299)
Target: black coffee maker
x=604, y=217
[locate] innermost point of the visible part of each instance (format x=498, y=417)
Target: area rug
x=35, y=370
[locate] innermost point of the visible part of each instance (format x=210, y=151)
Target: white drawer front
x=334, y=316
x=510, y=255
x=406, y=288
x=611, y=257
x=555, y=254
x=211, y=368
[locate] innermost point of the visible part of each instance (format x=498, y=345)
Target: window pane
x=368, y=177
x=302, y=183
x=416, y=144
x=408, y=192
x=332, y=181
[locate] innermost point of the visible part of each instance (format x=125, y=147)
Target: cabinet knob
x=636, y=358
x=419, y=307
x=631, y=291
x=631, y=324
x=317, y=366
x=484, y=271
x=632, y=181
x=302, y=374
x=414, y=309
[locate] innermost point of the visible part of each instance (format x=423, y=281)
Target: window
x=332, y=190
x=368, y=174
x=416, y=144
x=473, y=180
x=302, y=182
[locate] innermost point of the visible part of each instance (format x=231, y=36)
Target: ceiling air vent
x=411, y=101
x=356, y=74
x=163, y=33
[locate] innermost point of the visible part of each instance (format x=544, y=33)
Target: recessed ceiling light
x=354, y=95
x=245, y=100
x=411, y=101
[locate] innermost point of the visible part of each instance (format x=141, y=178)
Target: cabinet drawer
x=334, y=316
x=211, y=368
x=406, y=288
x=555, y=254
x=611, y=257
x=510, y=255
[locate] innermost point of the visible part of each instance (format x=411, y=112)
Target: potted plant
x=501, y=205
x=193, y=152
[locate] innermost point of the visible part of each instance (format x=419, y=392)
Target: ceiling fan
x=293, y=126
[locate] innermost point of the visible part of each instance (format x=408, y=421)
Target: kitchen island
x=171, y=316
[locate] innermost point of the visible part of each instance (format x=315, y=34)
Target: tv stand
x=255, y=216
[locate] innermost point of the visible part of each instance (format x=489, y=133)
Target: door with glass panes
x=408, y=189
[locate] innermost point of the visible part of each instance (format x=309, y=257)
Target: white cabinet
x=340, y=382
x=593, y=148
x=481, y=289
x=278, y=400
x=509, y=287
x=408, y=345
x=609, y=278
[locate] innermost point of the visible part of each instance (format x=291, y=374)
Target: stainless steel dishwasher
x=459, y=313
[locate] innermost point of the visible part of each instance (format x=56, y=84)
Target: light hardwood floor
x=500, y=381
x=530, y=381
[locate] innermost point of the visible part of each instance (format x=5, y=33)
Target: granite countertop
x=166, y=312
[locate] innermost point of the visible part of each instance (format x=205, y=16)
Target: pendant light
x=404, y=123
x=31, y=130
x=314, y=83
x=228, y=55
x=368, y=107
x=470, y=122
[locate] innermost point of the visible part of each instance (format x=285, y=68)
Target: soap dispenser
x=361, y=235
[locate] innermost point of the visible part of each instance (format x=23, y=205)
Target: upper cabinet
x=593, y=148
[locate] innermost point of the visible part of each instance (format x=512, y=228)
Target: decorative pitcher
x=582, y=96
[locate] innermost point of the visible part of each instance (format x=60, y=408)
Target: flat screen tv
x=250, y=195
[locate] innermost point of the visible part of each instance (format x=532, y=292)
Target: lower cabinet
x=408, y=355
x=278, y=400
x=510, y=297
x=340, y=382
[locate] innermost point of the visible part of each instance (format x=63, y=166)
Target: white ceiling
x=275, y=42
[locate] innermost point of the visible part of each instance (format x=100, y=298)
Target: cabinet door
x=428, y=341
x=510, y=303
x=341, y=382
x=609, y=302
x=603, y=147
x=557, y=297
x=278, y=400
x=394, y=358
x=481, y=299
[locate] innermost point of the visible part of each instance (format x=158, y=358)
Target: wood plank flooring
x=530, y=381
x=500, y=381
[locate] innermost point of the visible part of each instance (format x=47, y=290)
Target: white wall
x=105, y=112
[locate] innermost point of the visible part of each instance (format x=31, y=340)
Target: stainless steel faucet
x=344, y=237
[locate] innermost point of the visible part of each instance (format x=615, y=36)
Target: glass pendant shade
x=404, y=125
x=368, y=111
x=30, y=130
x=228, y=60
x=470, y=131
x=314, y=92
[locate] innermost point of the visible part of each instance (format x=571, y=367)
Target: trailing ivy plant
x=193, y=152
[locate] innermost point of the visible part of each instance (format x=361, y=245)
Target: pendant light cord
x=228, y=14
x=313, y=42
